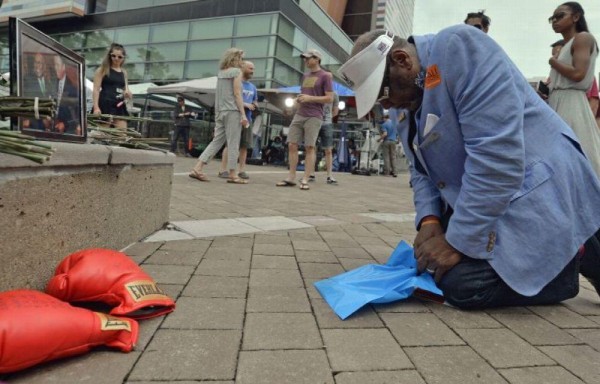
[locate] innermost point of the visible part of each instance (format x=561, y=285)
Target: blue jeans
x=473, y=284
x=257, y=146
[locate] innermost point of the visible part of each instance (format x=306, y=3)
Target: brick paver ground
x=247, y=312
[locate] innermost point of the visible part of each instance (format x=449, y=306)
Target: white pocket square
x=430, y=122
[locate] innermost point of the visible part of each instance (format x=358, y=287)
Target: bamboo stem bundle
x=15, y=106
x=129, y=138
x=17, y=144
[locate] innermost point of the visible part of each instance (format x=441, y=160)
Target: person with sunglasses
x=572, y=75
x=110, y=86
x=479, y=20
x=504, y=196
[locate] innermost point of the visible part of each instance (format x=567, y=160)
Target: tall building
x=174, y=40
x=360, y=16
x=395, y=16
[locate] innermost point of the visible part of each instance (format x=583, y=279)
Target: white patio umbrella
x=200, y=90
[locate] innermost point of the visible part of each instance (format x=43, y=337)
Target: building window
x=157, y=72
x=201, y=69
x=285, y=75
x=90, y=71
x=260, y=66
x=166, y=52
x=99, y=38
x=286, y=30
x=211, y=29
x=122, y=5
x=286, y=53
x=253, y=46
x=300, y=40
x=136, y=53
x=135, y=72
x=135, y=35
x=72, y=41
x=93, y=56
x=208, y=50
x=170, y=32
x=253, y=25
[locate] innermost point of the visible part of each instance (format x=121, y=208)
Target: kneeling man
x=504, y=196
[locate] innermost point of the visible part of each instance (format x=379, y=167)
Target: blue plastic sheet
x=346, y=293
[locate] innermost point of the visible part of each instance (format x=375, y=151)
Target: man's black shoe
x=590, y=261
x=595, y=284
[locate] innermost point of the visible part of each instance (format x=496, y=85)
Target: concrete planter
x=86, y=196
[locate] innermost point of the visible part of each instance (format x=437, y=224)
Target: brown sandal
x=285, y=183
x=237, y=180
x=198, y=176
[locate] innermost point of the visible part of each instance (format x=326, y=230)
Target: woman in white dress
x=572, y=75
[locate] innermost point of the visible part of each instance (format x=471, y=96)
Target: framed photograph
x=42, y=67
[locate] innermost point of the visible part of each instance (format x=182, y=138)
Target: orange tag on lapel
x=432, y=78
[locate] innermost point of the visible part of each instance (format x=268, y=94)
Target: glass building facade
x=175, y=40
x=170, y=41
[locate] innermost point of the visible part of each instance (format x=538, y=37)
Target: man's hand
x=426, y=232
x=436, y=254
x=250, y=106
x=303, y=99
x=244, y=121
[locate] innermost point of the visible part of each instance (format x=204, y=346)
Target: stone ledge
x=87, y=195
x=121, y=155
x=73, y=155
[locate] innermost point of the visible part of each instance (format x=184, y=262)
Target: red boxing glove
x=110, y=277
x=35, y=327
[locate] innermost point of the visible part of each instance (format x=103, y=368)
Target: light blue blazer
x=524, y=196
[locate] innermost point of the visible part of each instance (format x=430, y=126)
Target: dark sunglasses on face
x=557, y=17
x=116, y=56
x=478, y=26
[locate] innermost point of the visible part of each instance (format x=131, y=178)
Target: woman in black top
x=110, y=86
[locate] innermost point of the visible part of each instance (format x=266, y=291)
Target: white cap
x=364, y=72
x=311, y=53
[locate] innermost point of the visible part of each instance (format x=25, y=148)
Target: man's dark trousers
x=184, y=132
